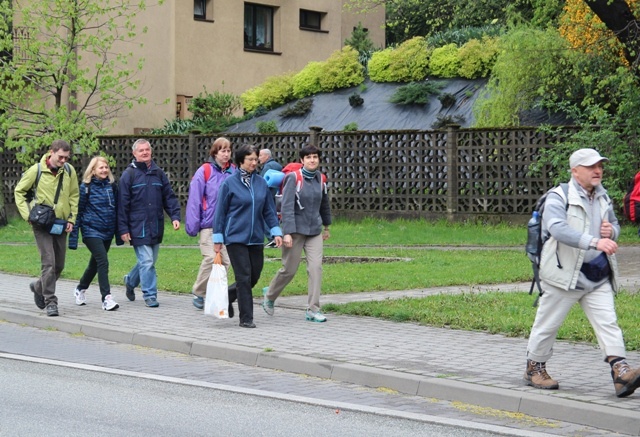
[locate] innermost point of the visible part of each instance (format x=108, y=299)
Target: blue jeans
x=144, y=272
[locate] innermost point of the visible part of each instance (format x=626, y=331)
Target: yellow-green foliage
x=342, y=70
x=476, y=57
x=444, y=61
x=307, y=81
x=274, y=91
x=409, y=62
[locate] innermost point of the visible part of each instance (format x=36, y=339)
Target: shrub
x=267, y=127
x=307, y=81
x=274, y=91
x=415, y=93
x=350, y=127
x=478, y=57
x=444, y=61
x=447, y=100
x=462, y=35
x=214, y=106
x=445, y=120
x=407, y=62
x=355, y=100
x=300, y=108
x=342, y=70
x=174, y=127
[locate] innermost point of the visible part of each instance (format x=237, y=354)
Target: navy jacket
x=242, y=211
x=144, y=195
x=97, y=210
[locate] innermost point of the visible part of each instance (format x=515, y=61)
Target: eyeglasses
x=63, y=157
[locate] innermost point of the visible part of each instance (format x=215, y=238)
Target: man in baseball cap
x=578, y=264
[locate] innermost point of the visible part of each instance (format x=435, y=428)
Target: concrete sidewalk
x=472, y=367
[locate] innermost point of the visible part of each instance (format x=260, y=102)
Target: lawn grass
x=494, y=255
x=510, y=314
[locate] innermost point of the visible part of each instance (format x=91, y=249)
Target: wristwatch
x=594, y=243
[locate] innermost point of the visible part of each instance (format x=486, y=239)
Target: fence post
x=452, y=171
x=193, y=154
x=313, y=135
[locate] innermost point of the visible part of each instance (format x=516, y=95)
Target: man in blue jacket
x=144, y=192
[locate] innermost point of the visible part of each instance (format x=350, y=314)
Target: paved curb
x=538, y=405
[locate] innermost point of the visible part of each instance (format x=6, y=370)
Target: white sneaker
x=315, y=317
x=109, y=304
x=80, y=297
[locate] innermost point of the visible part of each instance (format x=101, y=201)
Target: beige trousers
x=291, y=257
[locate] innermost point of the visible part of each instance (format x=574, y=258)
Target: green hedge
x=409, y=62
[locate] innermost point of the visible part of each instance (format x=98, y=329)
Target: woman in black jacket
x=97, y=221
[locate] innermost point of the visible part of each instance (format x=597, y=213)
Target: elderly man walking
x=578, y=264
x=144, y=192
x=55, y=183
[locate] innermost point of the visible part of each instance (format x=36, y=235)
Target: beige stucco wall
x=184, y=55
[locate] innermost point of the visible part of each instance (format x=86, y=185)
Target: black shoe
x=131, y=295
x=231, y=312
x=37, y=298
x=247, y=325
x=52, y=310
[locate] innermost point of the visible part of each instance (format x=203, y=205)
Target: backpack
x=207, y=175
x=535, y=240
x=296, y=168
x=631, y=204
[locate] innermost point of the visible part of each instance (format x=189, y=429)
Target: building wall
x=184, y=56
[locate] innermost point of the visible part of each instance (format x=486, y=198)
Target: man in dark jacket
x=144, y=192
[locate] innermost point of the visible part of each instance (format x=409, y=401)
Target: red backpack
x=631, y=203
x=296, y=168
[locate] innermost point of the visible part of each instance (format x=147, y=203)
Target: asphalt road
x=107, y=388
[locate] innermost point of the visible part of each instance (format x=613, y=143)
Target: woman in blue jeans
x=97, y=222
x=244, y=205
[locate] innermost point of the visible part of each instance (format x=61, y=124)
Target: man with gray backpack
x=55, y=189
x=578, y=264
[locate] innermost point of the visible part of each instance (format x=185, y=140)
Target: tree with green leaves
x=69, y=73
x=410, y=18
x=66, y=72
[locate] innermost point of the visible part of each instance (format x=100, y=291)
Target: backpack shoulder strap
x=208, y=168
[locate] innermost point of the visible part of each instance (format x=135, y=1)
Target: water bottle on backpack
x=533, y=236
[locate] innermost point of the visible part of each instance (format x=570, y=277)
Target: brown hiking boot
x=536, y=376
x=625, y=379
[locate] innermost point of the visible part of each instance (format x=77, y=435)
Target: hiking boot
x=267, y=304
x=80, y=297
x=536, y=376
x=625, y=379
x=129, y=291
x=52, y=310
x=198, y=302
x=37, y=298
x=315, y=317
x=109, y=304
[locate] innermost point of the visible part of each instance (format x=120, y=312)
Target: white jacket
x=564, y=252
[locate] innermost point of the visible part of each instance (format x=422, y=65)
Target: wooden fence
x=455, y=173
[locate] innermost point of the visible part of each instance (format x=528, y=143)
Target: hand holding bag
x=217, y=301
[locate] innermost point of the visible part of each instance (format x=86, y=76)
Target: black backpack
x=535, y=241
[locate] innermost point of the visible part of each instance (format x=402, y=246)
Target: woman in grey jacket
x=306, y=216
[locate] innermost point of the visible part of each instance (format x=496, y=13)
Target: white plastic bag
x=217, y=301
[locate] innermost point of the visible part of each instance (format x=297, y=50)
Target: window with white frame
x=258, y=27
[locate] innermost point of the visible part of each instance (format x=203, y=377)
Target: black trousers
x=99, y=263
x=247, y=262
